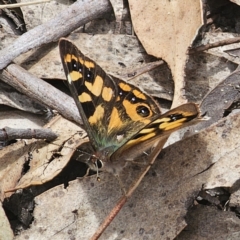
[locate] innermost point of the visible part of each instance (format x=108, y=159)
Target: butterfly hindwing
x=164, y=124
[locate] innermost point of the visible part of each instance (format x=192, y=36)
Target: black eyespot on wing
x=175, y=117
x=88, y=74
x=143, y=111
x=74, y=66
x=121, y=93
x=132, y=98
x=77, y=66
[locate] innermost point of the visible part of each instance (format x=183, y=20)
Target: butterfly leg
x=142, y=161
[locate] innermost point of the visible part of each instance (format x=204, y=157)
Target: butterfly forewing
x=91, y=89
x=112, y=110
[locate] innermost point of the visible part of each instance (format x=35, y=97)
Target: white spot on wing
x=69, y=79
x=120, y=137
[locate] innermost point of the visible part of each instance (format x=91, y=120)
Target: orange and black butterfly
x=120, y=119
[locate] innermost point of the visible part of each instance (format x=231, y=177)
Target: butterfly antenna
x=98, y=178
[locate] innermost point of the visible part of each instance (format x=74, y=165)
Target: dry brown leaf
x=217, y=103
x=166, y=29
x=47, y=162
x=43, y=164
x=202, y=78
x=12, y=159
x=20, y=119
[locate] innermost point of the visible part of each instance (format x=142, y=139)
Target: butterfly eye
x=143, y=111
x=99, y=163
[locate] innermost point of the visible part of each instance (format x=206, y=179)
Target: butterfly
x=120, y=119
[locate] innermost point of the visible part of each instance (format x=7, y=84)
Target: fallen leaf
x=12, y=159
x=166, y=29
x=217, y=102
x=49, y=159
x=202, y=78
x=17, y=119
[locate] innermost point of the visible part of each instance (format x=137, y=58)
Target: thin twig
x=8, y=133
x=130, y=191
x=214, y=45
x=76, y=15
x=14, y=5
x=146, y=67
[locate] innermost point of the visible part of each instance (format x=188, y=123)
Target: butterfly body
x=120, y=119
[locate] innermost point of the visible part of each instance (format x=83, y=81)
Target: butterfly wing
x=85, y=80
x=180, y=117
x=112, y=110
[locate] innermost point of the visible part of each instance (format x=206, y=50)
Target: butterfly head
x=101, y=161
